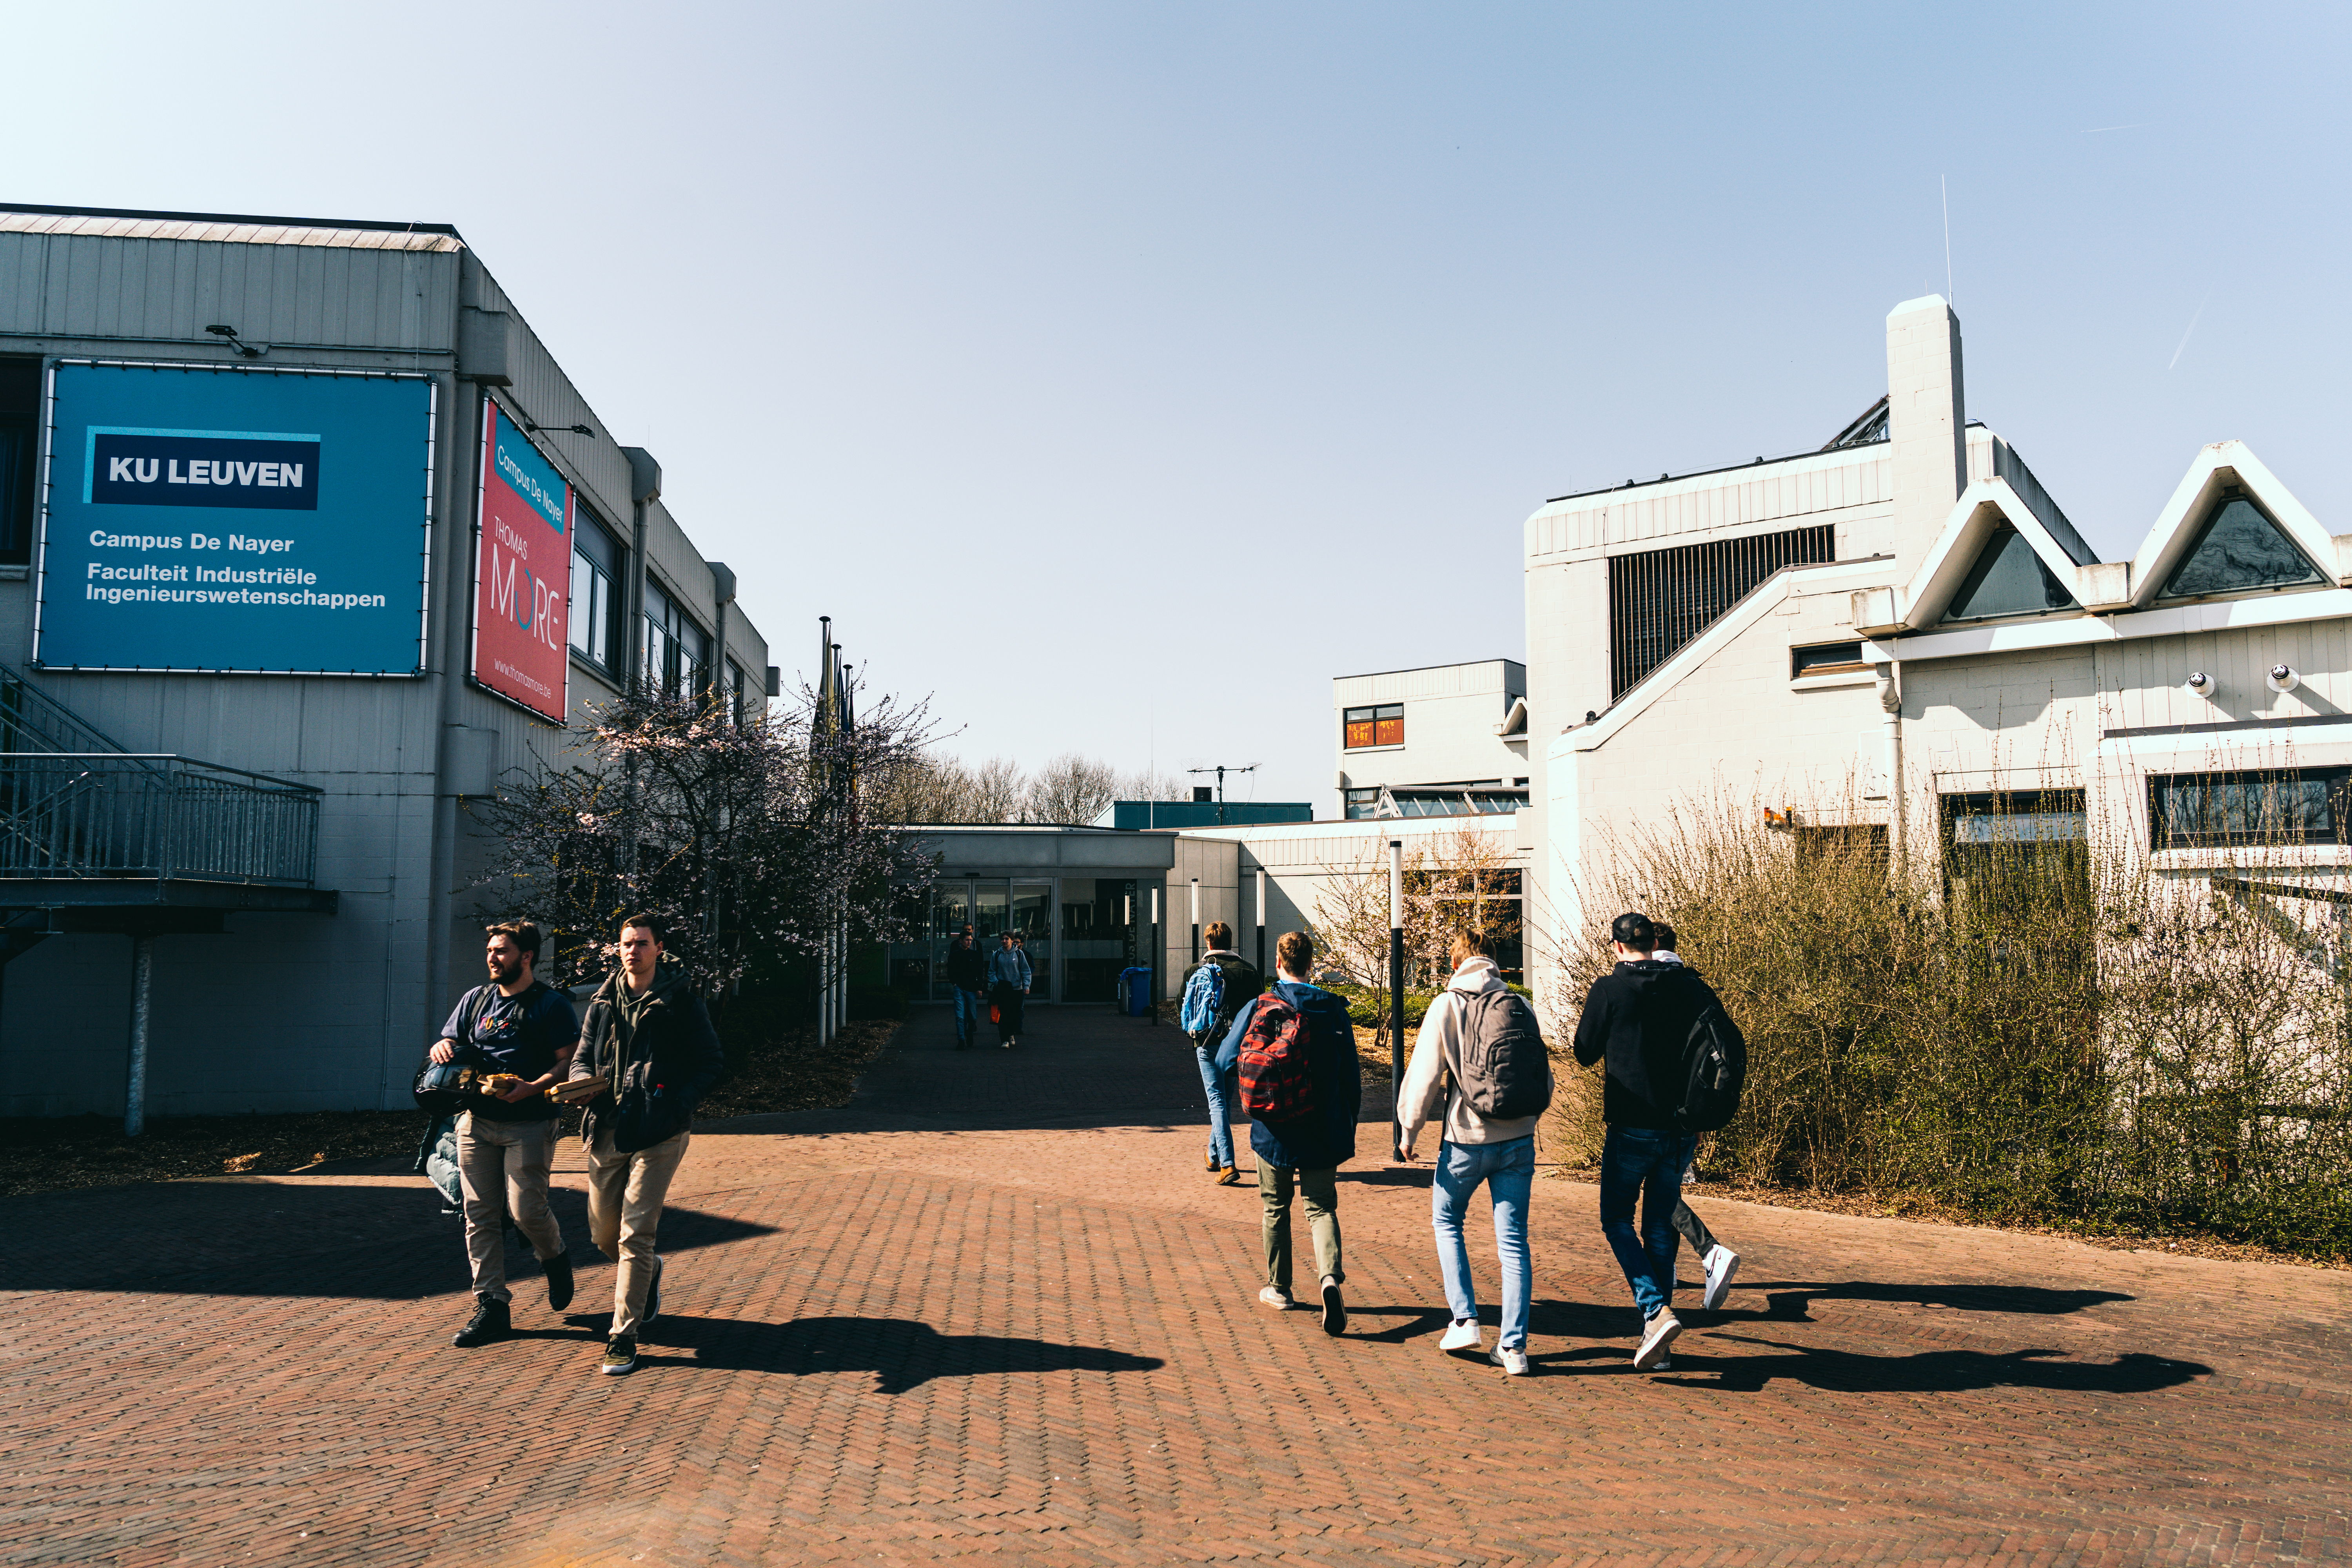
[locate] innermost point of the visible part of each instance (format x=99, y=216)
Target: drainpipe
x=644, y=489
x=1890, y=700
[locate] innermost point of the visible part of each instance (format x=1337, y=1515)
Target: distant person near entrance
x=1296, y=1054
x=1720, y=1262
x=967, y=969
x=1481, y=1058
x=1215, y=991
x=518, y=1027
x=648, y=1036
x=1008, y=985
x=1639, y=1018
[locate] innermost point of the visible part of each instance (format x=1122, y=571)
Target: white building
x=1442, y=740
x=1900, y=635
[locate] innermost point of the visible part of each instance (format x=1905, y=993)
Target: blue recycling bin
x=1135, y=991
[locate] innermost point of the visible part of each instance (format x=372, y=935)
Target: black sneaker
x=558, y=1270
x=490, y=1322
x=620, y=1356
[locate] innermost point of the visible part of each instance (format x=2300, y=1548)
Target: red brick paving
x=994, y=1311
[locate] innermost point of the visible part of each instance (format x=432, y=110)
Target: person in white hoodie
x=1500, y=1153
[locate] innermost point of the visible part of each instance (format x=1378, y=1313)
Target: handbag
x=995, y=1013
x=445, y=1088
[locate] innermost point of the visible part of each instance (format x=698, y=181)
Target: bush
x=2053, y=1032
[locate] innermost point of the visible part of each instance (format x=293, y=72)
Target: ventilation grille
x=1661, y=599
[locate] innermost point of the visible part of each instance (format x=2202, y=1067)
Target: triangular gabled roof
x=2221, y=468
x=1976, y=518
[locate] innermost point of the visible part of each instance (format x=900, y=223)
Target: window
x=1826, y=658
x=2019, y=855
x=738, y=693
x=2008, y=579
x=1661, y=599
x=20, y=423
x=1863, y=841
x=677, y=652
x=1381, y=726
x=595, y=579
x=1362, y=805
x=2239, y=549
x=2287, y=805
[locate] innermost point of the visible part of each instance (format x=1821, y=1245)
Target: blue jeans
x=967, y=1011
x=1223, y=1095
x=1633, y=1158
x=1509, y=1172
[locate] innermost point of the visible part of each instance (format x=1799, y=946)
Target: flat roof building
x=305, y=540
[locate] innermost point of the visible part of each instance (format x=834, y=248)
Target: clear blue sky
x=1117, y=372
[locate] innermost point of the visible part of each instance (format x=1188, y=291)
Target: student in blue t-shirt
x=506, y=1143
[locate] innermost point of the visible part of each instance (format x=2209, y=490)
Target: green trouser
x=1322, y=1190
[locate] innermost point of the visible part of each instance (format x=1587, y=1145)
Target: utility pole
x=1396, y=993
x=1221, y=770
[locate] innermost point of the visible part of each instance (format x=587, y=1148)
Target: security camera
x=2200, y=684
x=2282, y=678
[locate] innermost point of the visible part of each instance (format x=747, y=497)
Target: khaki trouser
x=625, y=1205
x=502, y=1170
x=1322, y=1191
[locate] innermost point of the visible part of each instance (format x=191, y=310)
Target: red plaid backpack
x=1275, y=1082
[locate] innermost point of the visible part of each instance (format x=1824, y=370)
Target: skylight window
x=2239, y=550
x=2008, y=579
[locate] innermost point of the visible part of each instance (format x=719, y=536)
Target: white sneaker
x=1656, y=1335
x=1465, y=1335
x=1513, y=1361
x=1280, y=1300
x=1721, y=1264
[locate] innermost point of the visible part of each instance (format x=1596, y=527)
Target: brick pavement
x=992, y=1309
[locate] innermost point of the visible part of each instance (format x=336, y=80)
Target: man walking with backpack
x=1720, y=1262
x=967, y=969
x=648, y=1036
x=1295, y=1053
x=1481, y=1056
x=1215, y=991
x=522, y=1029
x=1644, y=1019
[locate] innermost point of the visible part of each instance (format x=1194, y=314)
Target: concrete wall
x=303, y=1012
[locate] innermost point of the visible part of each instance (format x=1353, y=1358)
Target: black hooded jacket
x=1639, y=1016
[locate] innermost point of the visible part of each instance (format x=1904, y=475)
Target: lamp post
x=1396, y=996
x=1196, y=919
x=1261, y=920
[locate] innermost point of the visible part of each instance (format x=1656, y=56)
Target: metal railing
x=32, y=721
x=120, y=814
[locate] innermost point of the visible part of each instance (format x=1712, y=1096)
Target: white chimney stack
x=1927, y=424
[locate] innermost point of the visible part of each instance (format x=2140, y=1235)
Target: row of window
x=676, y=651
x=2185, y=811
x=1429, y=800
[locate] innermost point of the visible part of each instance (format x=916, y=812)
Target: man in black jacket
x=648, y=1035
x=967, y=969
x=1638, y=1017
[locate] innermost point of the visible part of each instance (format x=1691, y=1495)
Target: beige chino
x=625, y=1205
x=502, y=1168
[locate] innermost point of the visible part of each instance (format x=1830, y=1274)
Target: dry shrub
x=2052, y=1032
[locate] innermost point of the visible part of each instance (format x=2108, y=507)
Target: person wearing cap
x=1636, y=1019
x=1718, y=1261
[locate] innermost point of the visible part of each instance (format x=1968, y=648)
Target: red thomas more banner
x=522, y=582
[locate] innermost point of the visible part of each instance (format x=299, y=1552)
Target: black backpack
x=1714, y=1070
x=1506, y=1071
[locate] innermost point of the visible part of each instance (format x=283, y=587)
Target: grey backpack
x=1506, y=1071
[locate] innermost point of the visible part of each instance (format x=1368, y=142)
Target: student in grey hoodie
x=1474, y=1149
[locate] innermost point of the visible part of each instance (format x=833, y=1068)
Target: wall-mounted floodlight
x=575, y=429
x=2199, y=684
x=2282, y=677
x=242, y=350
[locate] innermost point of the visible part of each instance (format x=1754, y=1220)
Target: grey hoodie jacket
x=1434, y=1077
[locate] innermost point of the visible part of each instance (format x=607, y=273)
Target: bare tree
x=1072, y=790
x=1146, y=783
x=996, y=792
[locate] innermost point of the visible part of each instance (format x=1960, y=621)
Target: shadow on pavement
x=285, y=1238
x=1788, y=1299
x=1929, y=1371
x=902, y=1354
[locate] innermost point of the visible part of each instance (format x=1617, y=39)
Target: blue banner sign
x=235, y=519
x=203, y=468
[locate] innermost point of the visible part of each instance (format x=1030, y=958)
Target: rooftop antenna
x=1943, y=183
x=1221, y=770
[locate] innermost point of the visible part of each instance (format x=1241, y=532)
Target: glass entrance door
x=1033, y=923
